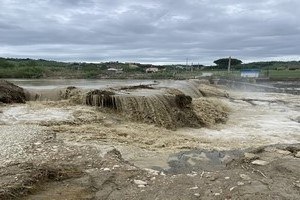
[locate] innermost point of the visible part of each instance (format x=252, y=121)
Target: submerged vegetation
x=29, y=68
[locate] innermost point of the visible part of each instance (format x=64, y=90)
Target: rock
x=194, y=188
x=227, y=178
x=106, y=169
x=192, y=174
x=245, y=177
x=162, y=174
x=213, y=178
x=250, y=156
x=240, y=183
x=140, y=182
x=197, y=194
x=283, y=152
x=297, y=185
x=260, y=162
x=217, y=194
x=297, y=154
x=116, y=166
x=141, y=186
x=152, y=171
x=270, y=149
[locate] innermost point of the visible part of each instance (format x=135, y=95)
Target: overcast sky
x=156, y=31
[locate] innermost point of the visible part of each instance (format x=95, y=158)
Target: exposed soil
x=88, y=176
x=10, y=93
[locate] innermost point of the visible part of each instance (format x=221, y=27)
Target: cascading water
x=168, y=104
x=166, y=110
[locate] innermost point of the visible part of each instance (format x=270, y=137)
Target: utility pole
x=186, y=64
x=192, y=67
x=229, y=64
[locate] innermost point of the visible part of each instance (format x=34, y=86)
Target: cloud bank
x=150, y=31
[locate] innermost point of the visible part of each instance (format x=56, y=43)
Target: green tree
x=223, y=62
x=5, y=64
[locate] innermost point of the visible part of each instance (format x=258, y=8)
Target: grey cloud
x=154, y=31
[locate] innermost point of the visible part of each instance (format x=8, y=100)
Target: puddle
x=25, y=114
x=200, y=160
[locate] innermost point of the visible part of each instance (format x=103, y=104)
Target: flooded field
x=211, y=130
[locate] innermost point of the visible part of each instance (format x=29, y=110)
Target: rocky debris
x=140, y=183
x=260, y=162
x=10, y=93
x=194, y=188
x=15, y=139
x=245, y=177
x=297, y=154
x=240, y=183
x=283, y=152
x=129, y=182
x=250, y=156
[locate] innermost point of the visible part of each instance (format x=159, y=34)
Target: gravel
x=14, y=140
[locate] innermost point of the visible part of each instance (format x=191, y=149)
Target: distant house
x=250, y=73
x=152, y=70
x=206, y=74
x=112, y=69
x=115, y=70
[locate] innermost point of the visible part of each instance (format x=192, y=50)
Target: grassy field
x=272, y=74
x=284, y=74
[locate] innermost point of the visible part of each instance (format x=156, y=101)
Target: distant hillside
x=30, y=68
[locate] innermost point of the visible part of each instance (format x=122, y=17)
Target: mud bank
x=265, y=173
x=10, y=93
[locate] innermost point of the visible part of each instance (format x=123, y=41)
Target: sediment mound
x=10, y=93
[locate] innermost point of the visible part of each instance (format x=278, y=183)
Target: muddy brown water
x=256, y=123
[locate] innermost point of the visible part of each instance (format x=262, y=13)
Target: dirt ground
x=69, y=151
x=10, y=93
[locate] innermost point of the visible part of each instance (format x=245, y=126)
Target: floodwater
x=81, y=83
x=256, y=119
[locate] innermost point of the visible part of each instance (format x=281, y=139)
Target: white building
x=151, y=70
x=248, y=73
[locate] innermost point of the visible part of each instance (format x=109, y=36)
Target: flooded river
x=255, y=119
